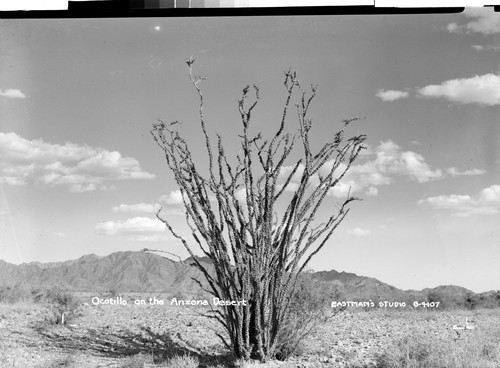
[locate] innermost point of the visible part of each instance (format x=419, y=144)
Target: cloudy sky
x=80, y=173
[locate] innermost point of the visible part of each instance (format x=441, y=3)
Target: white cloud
x=414, y=165
x=486, y=47
x=151, y=238
x=491, y=194
x=391, y=95
x=241, y=195
x=453, y=27
x=486, y=202
x=481, y=89
x=80, y=168
x=382, y=165
x=173, y=211
x=294, y=183
x=485, y=21
x=388, y=162
x=291, y=187
x=12, y=93
x=372, y=192
x=152, y=208
x=136, y=208
x=391, y=160
x=454, y=172
x=138, y=226
x=341, y=190
x=82, y=188
x=451, y=201
x=359, y=232
x=285, y=171
x=174, y=197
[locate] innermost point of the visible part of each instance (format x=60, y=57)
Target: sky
x=80, y=172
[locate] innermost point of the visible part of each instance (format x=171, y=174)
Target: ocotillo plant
x=258, y=254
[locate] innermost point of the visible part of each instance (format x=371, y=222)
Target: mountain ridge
x=129, y=271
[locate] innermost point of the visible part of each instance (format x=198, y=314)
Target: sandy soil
x=105, y=335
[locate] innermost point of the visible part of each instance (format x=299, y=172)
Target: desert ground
x=129, y=336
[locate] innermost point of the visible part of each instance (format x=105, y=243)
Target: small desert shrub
x=136, y=361
x=62, y=306
x=66, y=361
x=472, y=350
x=180, y=295
x=408, y=352
x=181, y=361
x=470, y=301
x=310, y=306
x=435, y=297
x=430, y=317
x=38, y=294
x=10, y=295
x=113, y=292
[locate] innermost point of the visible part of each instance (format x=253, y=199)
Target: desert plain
x=154, y=335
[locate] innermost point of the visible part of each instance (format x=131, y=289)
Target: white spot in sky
x=157, y=28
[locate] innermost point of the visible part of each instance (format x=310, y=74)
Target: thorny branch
x=256, y=255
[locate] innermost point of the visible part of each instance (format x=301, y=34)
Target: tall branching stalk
x=232, y=212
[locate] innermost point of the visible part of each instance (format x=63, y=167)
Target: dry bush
x=181, y=361
x=10, y=295
x=61, y=306
x=136, y=361
x=66, y=361
x=473, y=350
x=309, y=307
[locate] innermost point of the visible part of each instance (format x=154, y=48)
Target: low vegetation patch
x=469, y=349
x=309, y=308
x=9, y=295
x=420, y=352
x=62, y=306
x=182, y=337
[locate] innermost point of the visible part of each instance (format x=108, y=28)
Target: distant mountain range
x=120, y=271
x=150, y=272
